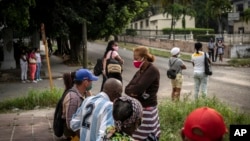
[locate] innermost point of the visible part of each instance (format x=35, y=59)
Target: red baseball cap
x=204, y=124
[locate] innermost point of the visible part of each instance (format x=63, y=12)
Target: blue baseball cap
x=83, y=74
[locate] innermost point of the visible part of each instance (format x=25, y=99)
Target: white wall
x=162, y=21
x=240, y=51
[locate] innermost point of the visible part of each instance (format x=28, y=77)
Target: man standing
x=211, y=47
x=74, y=97
x=95, y=113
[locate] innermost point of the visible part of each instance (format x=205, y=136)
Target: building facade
x=160, y=21
x=240, y=26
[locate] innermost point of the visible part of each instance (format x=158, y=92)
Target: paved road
x=229, y=84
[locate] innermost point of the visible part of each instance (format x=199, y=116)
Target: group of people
x=198, y=62
x=133, y=116
x=30, y=62
x=216, y=50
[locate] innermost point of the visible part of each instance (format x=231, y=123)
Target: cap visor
x=94, y=78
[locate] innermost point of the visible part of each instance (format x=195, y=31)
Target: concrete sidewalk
x=33, y=125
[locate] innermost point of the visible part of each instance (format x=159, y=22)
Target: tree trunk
x=8, y=50
x=76, y=50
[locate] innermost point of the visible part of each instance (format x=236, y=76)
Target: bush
x=131, y=32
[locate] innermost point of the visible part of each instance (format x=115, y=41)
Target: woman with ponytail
x=200, y=78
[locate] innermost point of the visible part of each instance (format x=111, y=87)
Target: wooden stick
x=46, y=53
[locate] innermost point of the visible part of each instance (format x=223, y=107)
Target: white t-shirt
x=38, y=57
x=198, y=60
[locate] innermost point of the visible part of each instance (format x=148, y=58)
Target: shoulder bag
x=171, y=73
x=208, y=69
x=113, y=66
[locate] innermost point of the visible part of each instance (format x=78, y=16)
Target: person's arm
x=71, y=107
x=118, y=58
x=183, y=66
x=104, y=66
x=75, y=122
x=136, y=89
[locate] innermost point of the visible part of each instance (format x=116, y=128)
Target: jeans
x=24, y=70
x=38, y=70
x=200, y=81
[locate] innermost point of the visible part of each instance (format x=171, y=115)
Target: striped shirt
x=93, y=117
x=149, y=130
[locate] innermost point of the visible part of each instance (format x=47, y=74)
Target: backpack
x=113, y=66
x=58, y=121
x=98, y=67
x=171, y=73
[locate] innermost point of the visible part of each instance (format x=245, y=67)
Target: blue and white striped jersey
x=93, y=117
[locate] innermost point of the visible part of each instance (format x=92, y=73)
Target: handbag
x=208, y=69
x=32, y=60
x=171, y=73
x=113, y=66
x=98, y=67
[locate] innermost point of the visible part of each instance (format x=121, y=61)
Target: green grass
x=46, y=98
x=172, y=114
x=239, y=62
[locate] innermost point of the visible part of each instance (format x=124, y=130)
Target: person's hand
x=133, y=95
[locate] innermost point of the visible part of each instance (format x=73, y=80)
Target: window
x=147, y=23
x=141, y=24
x=239, y=8
x=135, y=25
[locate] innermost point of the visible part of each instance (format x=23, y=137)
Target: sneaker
x=23, y=81
x=40, y=79
x=34, y=81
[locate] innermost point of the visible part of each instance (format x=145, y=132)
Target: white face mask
x=179, y=55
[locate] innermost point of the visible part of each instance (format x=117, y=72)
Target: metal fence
x=235, y=38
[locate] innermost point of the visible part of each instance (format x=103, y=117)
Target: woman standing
x=220, y=49
x=200, y=78
x=111, y=52
x=32, y=66
x=38, y=65
x=176, y=64
x=144, y=87
x=24, y=65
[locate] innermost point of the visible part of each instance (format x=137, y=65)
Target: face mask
x=178, y=56
x=115, y=48
x=89, y=87
x=138, y=64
